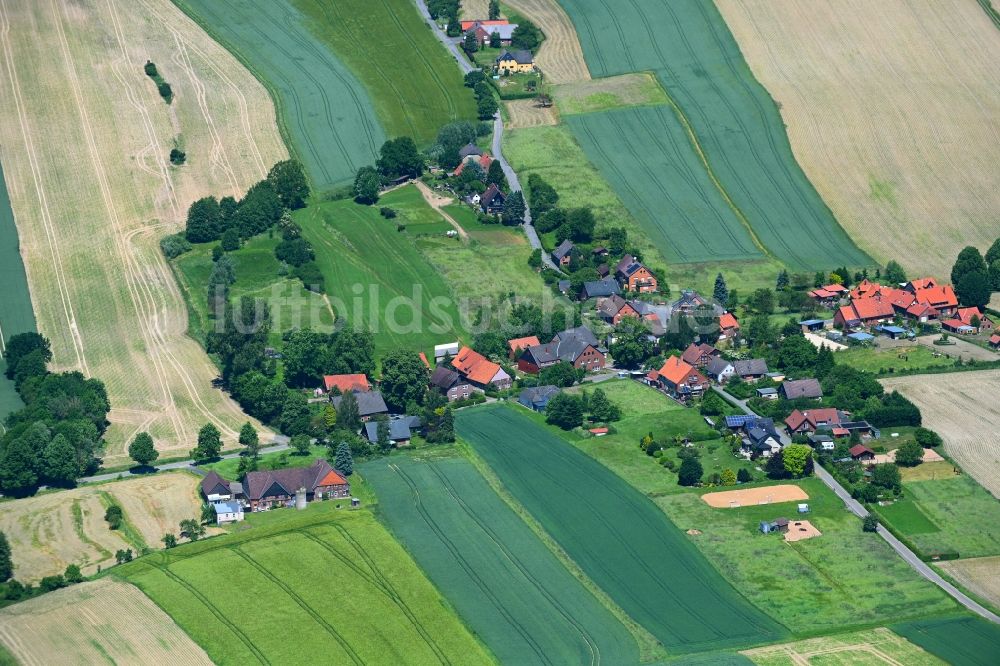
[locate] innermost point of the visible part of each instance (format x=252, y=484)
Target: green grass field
x=886, y=361
x=967, y=517
x=720, y=145
x=253, y=597
x=960, y=641
x=411, y=79
x=327, y=116
x=840, y=579
x=292, y=306
x=16, y=315
x=616, y=536
x=511, y=590
x=905, y=515
x=641, y=89
x=277, y=460
x=376, y=275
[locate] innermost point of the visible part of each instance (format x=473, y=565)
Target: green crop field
x=717, y=153
x=292, y=306
x=376, y=275
x=967, y=517
x=844, y=577
x=905, y=515
x=617, y=537
x=511, y=590
x=960, y=641
x=410, y=77
x=16, y=315
x=252, y=596
x=327, y=117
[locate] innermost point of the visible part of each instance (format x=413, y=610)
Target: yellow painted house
x=513, y=62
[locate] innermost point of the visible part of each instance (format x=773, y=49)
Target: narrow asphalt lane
x=448, y=42
x=860, y=511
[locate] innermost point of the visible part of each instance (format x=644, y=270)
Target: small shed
x=812, y=325
x=776, y=525
x=769, y=393
x=227, y=512
x=894, y=332
x=803, y=508
x=860, y=337
x=598, y=432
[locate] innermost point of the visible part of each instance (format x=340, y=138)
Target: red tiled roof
x=517, y=344
x=727, y=320
x=995, y=339
x=476, y=367
x=694, y=352
x=937, y=296
x=675, y=370
x=466, y=25
x=813, y=417
x=423, y=358
x=860, y=449
x=868, y=309
x=965, y=315
x=346, y=383
x=598, y=431
x=484, y=161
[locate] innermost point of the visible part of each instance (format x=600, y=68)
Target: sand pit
x=799, y=530
x=730, y=499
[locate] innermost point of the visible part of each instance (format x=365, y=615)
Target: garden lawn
x=257, y=275
x=716, y=159
x=229, y=467
x=645, y=410
x=507, y=586
x=376, y=277
x=410, y=77
x=16, y=315
x=412, y=210
x=846, y=577
x=967, y=517
x=960, y=641
x=327, y=116
x=246, y=598
x=887, y=361
x=616, y=536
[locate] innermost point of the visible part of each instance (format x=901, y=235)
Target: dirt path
x=438, y=202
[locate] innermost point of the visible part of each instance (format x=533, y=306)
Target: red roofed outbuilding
x=346, y=383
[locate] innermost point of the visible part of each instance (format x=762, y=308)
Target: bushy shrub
x=387, y=213
x=174, y=246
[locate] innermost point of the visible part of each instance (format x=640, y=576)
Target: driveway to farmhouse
x=961, y=348
x=860, y=511
x=438, y=202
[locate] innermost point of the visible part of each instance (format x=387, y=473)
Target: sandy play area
x=801, y=529
x=930, y=455
x=730, y=499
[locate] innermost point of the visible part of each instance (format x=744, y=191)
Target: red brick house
x=277, y=488
x=699, y=355
x=681, y=379
x=963, y=321
x=614, y=308
x=863, y=312
x=450, y=383
x=811, y=419
x=729, y=328
x=576, y=346
x=634, y=276
x=517, y=345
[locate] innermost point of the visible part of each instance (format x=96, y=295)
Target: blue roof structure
x=892, y=329
x=861, y=336
x=810, y=322
x=739, y=420
x=227, y=507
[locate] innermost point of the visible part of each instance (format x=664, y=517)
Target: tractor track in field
x=319, y=619
x=470, y=572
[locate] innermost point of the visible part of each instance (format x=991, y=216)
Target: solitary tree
x=795, y=458
x=565, y=411
x=487, y=106
x=909, y=454
x=192, y=529
x=250, y=441
x=6, y=563
x=690, y=472
x=329, y=418
x=721, y=291
x=494, y=10
x=301, y=444
x=494, y=176
x=348, y=417
x=289, y=182
x=114, y=516
x=169, y=540
x=602, y=409
x=367, y=185
x=141, y=450
x=728, y=477
x=973, y=289
x=744, y=475
x=344, y=461
x=887, y=476
x=209, y=443
x=404, y=379
x=870, y=523
x=73, y=574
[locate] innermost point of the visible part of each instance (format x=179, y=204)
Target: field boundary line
x=641, y=635
x=40, y=191
x=301, y=603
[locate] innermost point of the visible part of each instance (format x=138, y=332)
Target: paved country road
x=860, y=511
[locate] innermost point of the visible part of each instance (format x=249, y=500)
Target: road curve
x=860, y=511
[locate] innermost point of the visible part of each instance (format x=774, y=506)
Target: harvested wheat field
x=561, y=56
x=84, y=140
x=527, y=113
x=863, y=648
x=902, y=143
x=981, y=575
x=751, y=496
x=50, y=531
x=94, y=623
x=963, y=409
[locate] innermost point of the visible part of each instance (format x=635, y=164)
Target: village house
x=750, y=370
x=862, y=453
x=729, y=328
x=680, y=379
x=515, y=62
x=693, y=303
x=216, y=489
x=576, y=346
x=563, y=254
x=537, y=397
x=811, y=420
x=480, y=371
x=450, y=383
x=634, y=276
x=863, y=312
x=767, y=393
x=700, y=355
x=801, y=388
x=828, y=295
x=276, y=488
x=345, y=383
x=599, y=289
x=370, y=404
x=484, y=30
x=227, y=512
x=613, y=309
x=401, y=429
x=719, y=369
x=927, y=291
x=466, y=26
x=969, y=321
x=761, y=441
x=920, y=300
x=482, y=159
x=492, y=200
x=517, y=345
x=655, y=317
